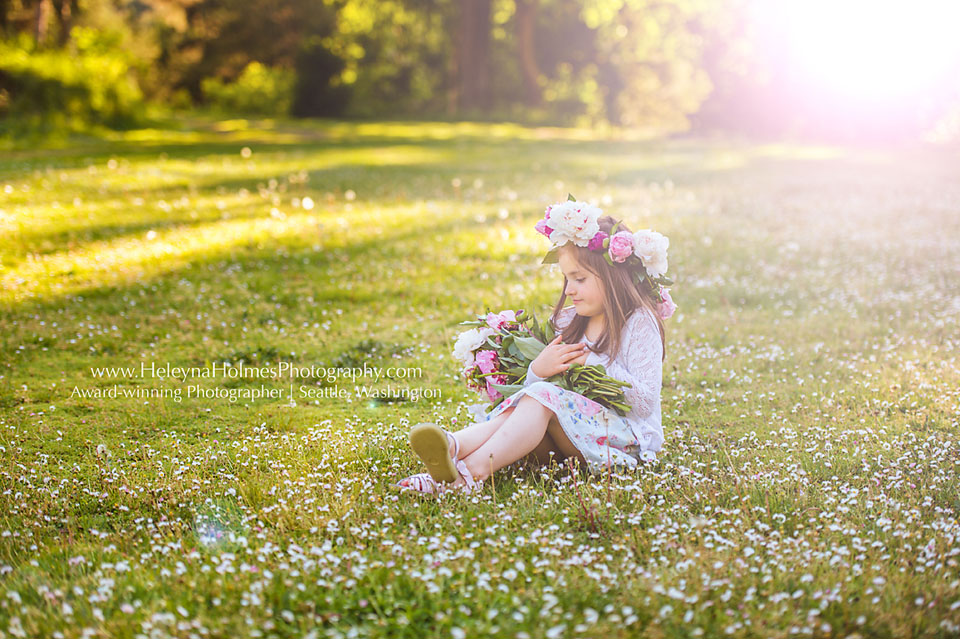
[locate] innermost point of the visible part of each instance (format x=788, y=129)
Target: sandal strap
x=467, y=475
x=471, y=484
x=456, y=445
x=422, y=483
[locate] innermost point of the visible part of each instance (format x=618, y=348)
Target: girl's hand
x=557, y=357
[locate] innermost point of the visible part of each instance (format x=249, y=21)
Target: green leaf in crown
x=552, y=256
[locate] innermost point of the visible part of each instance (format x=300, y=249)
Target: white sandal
x=431, y=443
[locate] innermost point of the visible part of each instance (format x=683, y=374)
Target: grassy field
x=808, y=485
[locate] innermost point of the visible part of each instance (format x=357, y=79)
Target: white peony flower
x=651, y=247
x=469, y=341
x=573, y=221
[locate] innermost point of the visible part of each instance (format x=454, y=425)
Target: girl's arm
x=531, y=376
x=640, y=364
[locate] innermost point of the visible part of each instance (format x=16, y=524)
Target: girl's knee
x=526, y=400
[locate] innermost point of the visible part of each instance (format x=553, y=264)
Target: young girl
x=614, y=279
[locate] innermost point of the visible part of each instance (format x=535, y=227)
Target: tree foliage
x=630, y=62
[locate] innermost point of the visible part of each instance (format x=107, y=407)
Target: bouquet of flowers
x=496, y=354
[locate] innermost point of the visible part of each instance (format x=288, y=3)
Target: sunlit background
x=847, y=70
x=869, y=67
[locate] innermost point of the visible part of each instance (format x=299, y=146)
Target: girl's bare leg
x=544, y=452
x=565, y=447
x=473, y=437
x=555, y=446
x=520, y=434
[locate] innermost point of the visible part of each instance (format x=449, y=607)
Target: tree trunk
x=65, y=10
x=473, y=55
x=41, y=22
x=526, y=49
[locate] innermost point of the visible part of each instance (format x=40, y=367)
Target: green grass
x=807, y=486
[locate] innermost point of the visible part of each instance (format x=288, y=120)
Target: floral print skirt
x=601, y=435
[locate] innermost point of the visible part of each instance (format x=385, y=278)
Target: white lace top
x=640, y=363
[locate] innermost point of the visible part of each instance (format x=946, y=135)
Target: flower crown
x=574, y=221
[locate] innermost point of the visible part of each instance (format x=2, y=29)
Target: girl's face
x=584, y=289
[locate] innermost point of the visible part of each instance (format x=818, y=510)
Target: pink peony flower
x=621, y=246
x=665, y=308
x=497, y=320
x=596, y=243
x=542, y=227
x=487, y=361
x=492, y=392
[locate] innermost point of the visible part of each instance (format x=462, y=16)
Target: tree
x=473, y=56
x=526, y=18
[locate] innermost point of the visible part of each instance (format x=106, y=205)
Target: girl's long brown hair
x=621, y=295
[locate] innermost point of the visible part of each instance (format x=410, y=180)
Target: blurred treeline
x=664, y=64
x=630, y=63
